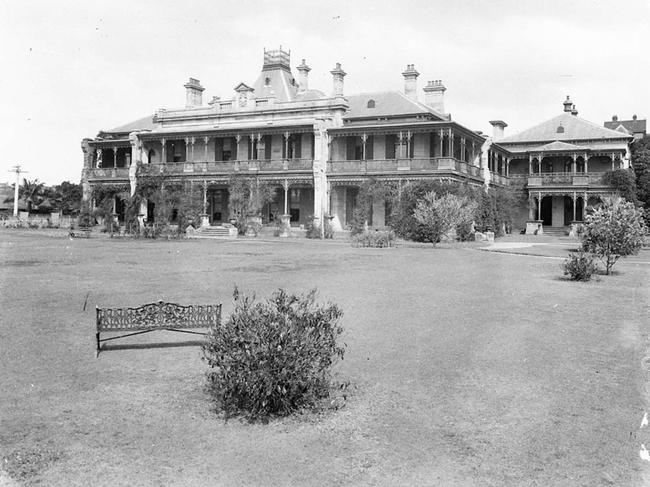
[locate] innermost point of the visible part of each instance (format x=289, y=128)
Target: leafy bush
x=579, y=266
x=377, y=238
x=314, y=231
x=623, y=182
x=614, y=230
x=441, y=215
x=273, y=357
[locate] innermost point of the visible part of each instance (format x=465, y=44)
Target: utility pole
x=18, y=171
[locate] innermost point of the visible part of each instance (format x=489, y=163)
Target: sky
x=73, y=68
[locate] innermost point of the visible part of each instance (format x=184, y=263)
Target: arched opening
x=580, y=209
x=371, y=104
x=151, y=156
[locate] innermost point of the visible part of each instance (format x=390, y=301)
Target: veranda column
x=115, y=157
x=163, y=151
x=187, y=149
x=530, y=164
x=364, y=139
x=584, y=205
x=285, y=219
x=507, y=167
x=205, y=219
x=586, y=163
x=409, y=135
x=531, y=209
x=192, y=140
x=463, y=150
x=206, y=141
x=442, y=140
x=539, y=164
x=539, y=205
x=612, y=157
x=451, y=143
x=574, y=168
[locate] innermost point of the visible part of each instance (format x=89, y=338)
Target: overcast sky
x=72, y=68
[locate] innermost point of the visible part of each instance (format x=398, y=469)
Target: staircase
x=556, y=231
x=216, y=232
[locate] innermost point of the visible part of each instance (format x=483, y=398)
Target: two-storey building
x=561, y=162
x=314, y=148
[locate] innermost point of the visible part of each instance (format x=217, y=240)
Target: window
x=371, y=104
x=560, y=129
x=267, y=81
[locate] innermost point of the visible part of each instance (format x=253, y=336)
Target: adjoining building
x=634, y=127
x=562, y=162
x=316, y=149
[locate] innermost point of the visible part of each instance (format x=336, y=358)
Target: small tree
x=441, y=215
x=614, y=230
x=623, y=183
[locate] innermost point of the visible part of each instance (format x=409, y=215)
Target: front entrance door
x=547, y=210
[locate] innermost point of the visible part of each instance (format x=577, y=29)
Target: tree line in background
x=39, y=198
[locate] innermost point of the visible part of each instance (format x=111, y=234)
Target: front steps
x=218, y=232
x=556, y=231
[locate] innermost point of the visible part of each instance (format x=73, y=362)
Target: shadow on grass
x=143, y=346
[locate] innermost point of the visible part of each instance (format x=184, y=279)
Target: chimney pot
x=568, y=105
x=498, y=129
x=411, y=82
x=193, y=93
x=434, y=93
x=337, y=78
x=614, y=118
x=303, y=77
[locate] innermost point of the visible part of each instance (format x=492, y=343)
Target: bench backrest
x=158, y=315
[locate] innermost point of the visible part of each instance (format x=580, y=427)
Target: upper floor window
x=371, y=103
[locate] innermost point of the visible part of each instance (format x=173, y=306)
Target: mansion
x=317, y=148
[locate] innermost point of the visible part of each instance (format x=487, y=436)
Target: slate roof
x=281, y=83
x=574, y=128
x=145, y=123
x=387, y=104
x=634, y=126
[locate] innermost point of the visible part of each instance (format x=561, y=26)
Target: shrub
x=314, y=231
x=614, y=230
x=273, y=357
x=441, y=215
x=579, y=266
x=377, y=238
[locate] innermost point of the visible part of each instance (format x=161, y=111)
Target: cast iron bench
x=155, y=316
x=81, y=232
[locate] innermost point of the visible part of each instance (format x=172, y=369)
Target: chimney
x=614, y=118
x=498, y=127
x=574, y=111
x=337, y=77
x=193, y=93
x=303, y=77
x=434, y=93
x=411, y=82
x=568, y=105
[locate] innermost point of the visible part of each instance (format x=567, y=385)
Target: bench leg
x=98, y=345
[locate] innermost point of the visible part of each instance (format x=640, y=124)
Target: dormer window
x=267, y=81
x=560, y=129
x=371, y=104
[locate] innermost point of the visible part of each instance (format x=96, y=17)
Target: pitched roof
x=387, y=103
x=573, y=128
x=145, y=123
x=558, y=146
x=633, y=126
x=276, y=81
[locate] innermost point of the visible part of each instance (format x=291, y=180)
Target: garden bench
x=153, y=317
x=81, y=232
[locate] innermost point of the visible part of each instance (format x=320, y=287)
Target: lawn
x=467, y=368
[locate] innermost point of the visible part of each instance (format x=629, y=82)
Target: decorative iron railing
x=566, y=179
x=227, y=167
x=377, y=166
x=108, y=173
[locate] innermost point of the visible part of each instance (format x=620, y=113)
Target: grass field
x=468, y=368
